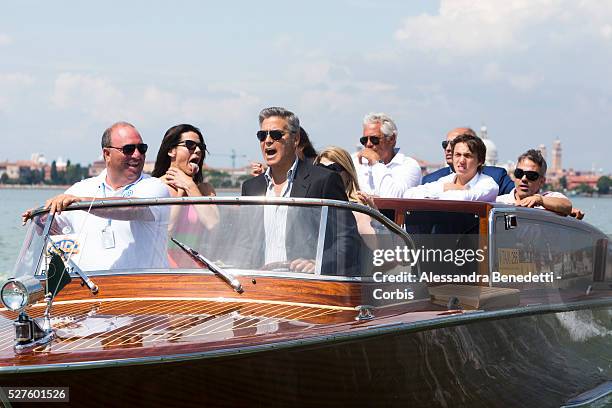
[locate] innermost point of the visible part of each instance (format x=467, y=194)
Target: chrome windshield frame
x=243, y=200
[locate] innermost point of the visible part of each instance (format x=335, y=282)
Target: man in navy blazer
x=499, y=174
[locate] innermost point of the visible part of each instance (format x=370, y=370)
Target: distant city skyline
x=533, y=71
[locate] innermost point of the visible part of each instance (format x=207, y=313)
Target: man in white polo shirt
x=116, y=238
x=529, y=179
x=382, y=170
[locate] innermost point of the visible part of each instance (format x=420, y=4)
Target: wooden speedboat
x=511, y=306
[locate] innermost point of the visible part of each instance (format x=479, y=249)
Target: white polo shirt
x=480, y=188
x=510, y=198
x=388, y=180
x=105, y=241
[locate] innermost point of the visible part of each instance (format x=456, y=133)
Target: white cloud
x=12, y=87
x=15, y=79
x=606, y=31
x=522, y=82
x=103, y=100
x=90, y=94
x=314, y=72
x=5, y=39
x=472, y=26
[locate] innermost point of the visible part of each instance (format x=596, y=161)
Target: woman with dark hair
x=306, y=150
x=179, y=165
x=179, y=162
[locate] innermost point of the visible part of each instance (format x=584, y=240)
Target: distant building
x=556, y=167
x=491, y=157
x=96, y=168
x=542, y=149
x=38, y=158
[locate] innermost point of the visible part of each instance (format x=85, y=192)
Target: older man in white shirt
x=468, y=183
x=382, y=170
x=115, y=238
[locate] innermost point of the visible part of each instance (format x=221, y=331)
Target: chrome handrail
x=243, y=200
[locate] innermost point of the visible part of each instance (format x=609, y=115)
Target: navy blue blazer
x=499, y=174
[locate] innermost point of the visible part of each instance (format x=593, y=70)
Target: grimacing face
x=282, y=152
x=524, y=187
x=465, y=162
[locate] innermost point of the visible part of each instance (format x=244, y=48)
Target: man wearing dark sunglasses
x=288, y=176
x=499, y=174
x=530, y=176
x=382, y=170
x=108, y=240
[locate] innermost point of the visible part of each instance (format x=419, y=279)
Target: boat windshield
x=293, y=237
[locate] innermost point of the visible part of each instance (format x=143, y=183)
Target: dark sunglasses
x=332, y=166
x=531, y=175
x=445, y=143
x=274, y=134
x=374, y=139
x=129, y=149
x=191, y=145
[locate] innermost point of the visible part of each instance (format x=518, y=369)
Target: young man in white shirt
x=382, y=170
x=467, y=183
x=529, y=179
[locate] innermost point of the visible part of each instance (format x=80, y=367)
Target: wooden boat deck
x=88, y=327
x=139, y=316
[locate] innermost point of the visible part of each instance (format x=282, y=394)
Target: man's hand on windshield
x=302, y=265
x=58, y=203
x=532, y=201
x=26, y=215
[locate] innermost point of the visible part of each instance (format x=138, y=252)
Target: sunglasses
x=445, y=143
x=274, y=134
x=374, y=139
x=191, y=145
x=531, y=175
x=332, y=166
x=129, y=149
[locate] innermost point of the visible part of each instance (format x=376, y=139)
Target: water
x=15, y=201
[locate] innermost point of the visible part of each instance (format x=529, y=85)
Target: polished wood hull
x=529, y=360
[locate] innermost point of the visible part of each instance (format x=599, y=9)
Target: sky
x=532, y=71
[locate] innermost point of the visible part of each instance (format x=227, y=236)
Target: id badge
x=108, y=238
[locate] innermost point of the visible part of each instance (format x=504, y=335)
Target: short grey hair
x=536, y=157
x=387, y=125
x=293, y=122
x=106, y=136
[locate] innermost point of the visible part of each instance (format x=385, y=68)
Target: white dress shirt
x=480, y=188
x=388, y=180
x=275, y=218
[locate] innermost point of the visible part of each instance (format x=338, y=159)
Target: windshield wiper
x=73, y=267
x=224, y=275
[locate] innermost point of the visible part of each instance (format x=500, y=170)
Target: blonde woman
x=339, y=160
